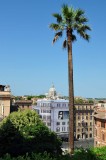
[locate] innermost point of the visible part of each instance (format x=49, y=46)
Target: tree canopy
x=23, y=132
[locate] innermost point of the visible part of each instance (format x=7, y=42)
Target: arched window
x=78, y=136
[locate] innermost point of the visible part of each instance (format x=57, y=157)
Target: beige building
x=21, y=104
x=5, y=96
x=84, y=121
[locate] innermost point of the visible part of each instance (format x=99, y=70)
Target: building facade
x=21, y=104
x=100, y=125
x=84, y=121
x=55, y=114
x=5, y=96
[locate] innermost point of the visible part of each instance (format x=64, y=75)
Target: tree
x=70, y=20
x=23, y=132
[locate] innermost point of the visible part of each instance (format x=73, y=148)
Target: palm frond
x=68, y=14
x=65, y=10
x=79, y=12
x=73, y=38
x=65, y=44
x=84, y=35
x=58, y=17
x=57, y=35
x=82, y=19
x=54, y=26
x=84, y=28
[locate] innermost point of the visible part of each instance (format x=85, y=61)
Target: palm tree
x=71, y=21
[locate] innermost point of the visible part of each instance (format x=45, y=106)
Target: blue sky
x=29, y=62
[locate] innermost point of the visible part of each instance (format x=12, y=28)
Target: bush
x=23, y=132
x=100, y=153
x=35, y=156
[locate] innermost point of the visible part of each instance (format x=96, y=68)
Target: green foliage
x=79, y=154
x=84, y=154
x=100, y=153
x=79, y=101
x=40, y=96
x=23, y=132
x=34, y=156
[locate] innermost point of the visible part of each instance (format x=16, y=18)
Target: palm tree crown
x=70, y=19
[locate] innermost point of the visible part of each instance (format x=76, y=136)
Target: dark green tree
x=71, y=21
x=23, y=132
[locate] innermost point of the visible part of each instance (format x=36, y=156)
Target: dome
x=52, y=89
x=52, y=92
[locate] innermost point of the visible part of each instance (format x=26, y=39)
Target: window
x=58, y=129
x=86, y=117
x=63, y=123
x=48, y=117
x=63, y=128
x=44, y=117
x=103, y=124
x=78, y=130
x=78, y=136
x=48, y=111
x=86, y=135
x=58, y=123
x=90, y=129
x=90, y=117
x=90, y=123
x=49, y=124
x=86, y=123
x=102, y=105
x=79, y=124
x=44, y=111
x=90, y=113
x=90, y=135
x=86, y=129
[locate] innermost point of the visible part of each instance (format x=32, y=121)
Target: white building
x=55, y=114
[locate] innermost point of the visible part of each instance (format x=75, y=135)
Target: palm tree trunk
x=71, y=92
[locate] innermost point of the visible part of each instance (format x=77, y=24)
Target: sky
x=29, y=63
